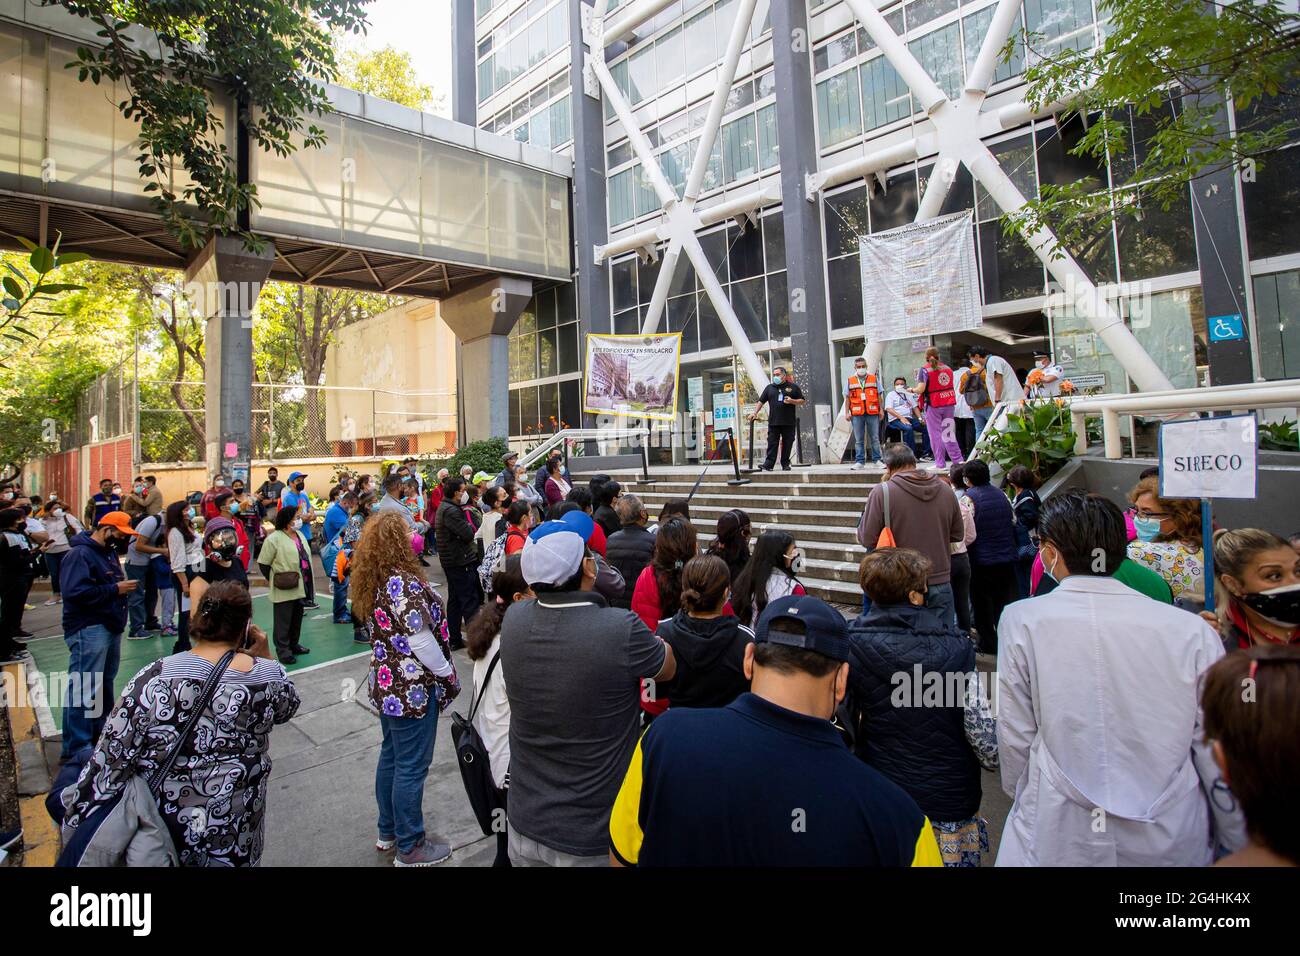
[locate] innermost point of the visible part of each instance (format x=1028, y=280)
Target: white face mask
x=117, y=489
x=296, y=524
x=901, y=389
x=795, y=561
x=860, y=369
x=57, y=512
x=463, y=498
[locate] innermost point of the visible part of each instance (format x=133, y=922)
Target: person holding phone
x=781, y=396
x=221, y=775
x=95, y=593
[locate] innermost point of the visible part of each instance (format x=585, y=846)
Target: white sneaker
x=53, y=601
x=858, y=466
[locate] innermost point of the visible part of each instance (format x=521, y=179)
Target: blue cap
x=297, y=474
x=576, y=521
x=825, y=631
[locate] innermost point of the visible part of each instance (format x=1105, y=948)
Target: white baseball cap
x=552, y=559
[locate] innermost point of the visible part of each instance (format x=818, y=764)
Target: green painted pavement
x=328, y=642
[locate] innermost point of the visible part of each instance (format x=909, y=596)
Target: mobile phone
x=248, y=636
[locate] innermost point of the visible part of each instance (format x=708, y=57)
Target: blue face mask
x=1148, y=529
x=234, y=507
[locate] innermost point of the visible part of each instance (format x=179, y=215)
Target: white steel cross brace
x=959, y=127
x=679, y=221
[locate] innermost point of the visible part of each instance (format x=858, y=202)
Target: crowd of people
x=647, y=695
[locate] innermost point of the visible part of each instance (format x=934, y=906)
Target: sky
x=421, y=28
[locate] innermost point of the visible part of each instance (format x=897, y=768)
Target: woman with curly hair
x=1168, y=538
x=411, y=672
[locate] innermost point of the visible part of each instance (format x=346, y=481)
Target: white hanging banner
x=920, y=279
x=632, y=375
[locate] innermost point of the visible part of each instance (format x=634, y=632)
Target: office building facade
x=811, y=91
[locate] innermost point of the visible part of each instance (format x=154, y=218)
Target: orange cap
x=119, y=520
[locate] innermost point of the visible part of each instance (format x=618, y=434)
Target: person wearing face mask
x=782, y=396
x=208, y=505
x=1098, y=710
x=454, y=535
x=95, y=592
x=862, y=409
x=937, y=385
x=1045, y=379
x=284, y=563
x=770, y=574
x=185, y=552
x=1257, y=589
x=61, y=527
x=296, y=498
x=973, y=384
x=703, y=788
x=1168, y=538
x=932, y=749
x=101, y=503
x=135, y=501
x=16, y=554
x=901, y=417
x=221, y=554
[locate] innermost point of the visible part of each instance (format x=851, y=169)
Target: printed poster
x=632, y=375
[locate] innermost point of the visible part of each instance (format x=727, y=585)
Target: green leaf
x=69, y=258
x=42, y=260
x=26, y=243
x=10, y=303
x=54, y=288
x=13, y=288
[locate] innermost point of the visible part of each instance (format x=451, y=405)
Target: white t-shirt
x=963, y=407
x=492, y=719
x=1012, y=391
x=1050, y=389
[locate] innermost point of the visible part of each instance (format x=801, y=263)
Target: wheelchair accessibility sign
x=1225, y=328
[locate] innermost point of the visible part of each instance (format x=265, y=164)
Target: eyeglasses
x=1143, y=513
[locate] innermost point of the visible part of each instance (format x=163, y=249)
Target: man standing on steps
x=923, y=516
x=781, y=396
x=862, y=409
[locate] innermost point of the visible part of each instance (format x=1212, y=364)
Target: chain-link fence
x=172, y=422
x=104, y=410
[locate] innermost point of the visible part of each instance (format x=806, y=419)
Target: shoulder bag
x=129, y=830
x=286, y=580
x=472, y=758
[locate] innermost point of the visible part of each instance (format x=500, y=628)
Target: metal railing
x=564, y=439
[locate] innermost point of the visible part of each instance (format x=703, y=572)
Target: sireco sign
x=1209, y=458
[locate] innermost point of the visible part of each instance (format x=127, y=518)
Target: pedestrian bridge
x=396, y=200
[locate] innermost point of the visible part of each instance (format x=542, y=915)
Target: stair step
x=680, y=489
x=722, y=472
x=818, y=505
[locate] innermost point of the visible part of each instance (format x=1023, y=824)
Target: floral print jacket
x=400, y=684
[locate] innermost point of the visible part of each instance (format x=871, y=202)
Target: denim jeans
x=136, y=605
x=404, y=759
x=864, y=426
x=982, y=416
x=52, y=564
x=92, y=666
x=909, y=430
x=340, y=600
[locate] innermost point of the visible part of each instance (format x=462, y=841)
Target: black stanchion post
x=735, y=461
x=751, y=444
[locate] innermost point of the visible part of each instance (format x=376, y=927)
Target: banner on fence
x=920, y=279
x=632, y=375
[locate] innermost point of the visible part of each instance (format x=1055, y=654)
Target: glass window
x=961, y=192
x=1277, y=323
x=548, y=400
x=516, y=425
x=778, y=306
x=623, y=283
x=1276, y=187
x=537, y=48
x=568, y=344
x=565, y=303
x=620, y=154
x=846, y=219
x=548, y=359
x=923, y=11
x=838, y=112
x=1009, y=268
x=622, y=207
x=845, y=279
x=896, y=204
x=485, y=87
x=646, y=274
x=1016, y=156
x=749, y=302
x=647, y=201
x=715, y=250
x=724, y=15
x=712, y=334
x=741, y=95
x=885, y=97
x=768, y=149
x=682, y=318
x=774, y=241
x=1058, y=166
x=833, y=53
x=561, y=130
x=745, y=252
x=676, y=166
x=627, y=323
x=698, y=33
x=1062, y=23
x=528, y=410
x=544, y=309
x=557, y=30
x=940, y=53
x=974, y=28
x=669, y=58
x=762, y=20
x=571, y=403
x=683, y=282
x=641, y=75
x=765, y=85
x=1171, y=327
x=739, y=149
x=1158, y=242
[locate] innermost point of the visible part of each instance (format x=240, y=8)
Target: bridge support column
x=223, y=282
x=482, y=317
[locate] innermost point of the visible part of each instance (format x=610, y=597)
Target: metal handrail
x=564, y=435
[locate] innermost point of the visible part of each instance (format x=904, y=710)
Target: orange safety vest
x=864, y=396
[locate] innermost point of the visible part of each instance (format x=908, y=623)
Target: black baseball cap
x=1039, y=353
x=825, y=631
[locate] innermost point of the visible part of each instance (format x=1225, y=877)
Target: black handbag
x=472, y=758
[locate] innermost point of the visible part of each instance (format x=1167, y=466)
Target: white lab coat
x=1098, y=715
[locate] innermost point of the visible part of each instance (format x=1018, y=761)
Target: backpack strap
x=884, y=491
x=187, y=732
x=486, y=680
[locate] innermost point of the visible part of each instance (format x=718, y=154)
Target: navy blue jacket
x=88, y=580
x=995, y=538
x=919, y=746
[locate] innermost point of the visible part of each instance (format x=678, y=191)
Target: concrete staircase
x=819, y=507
